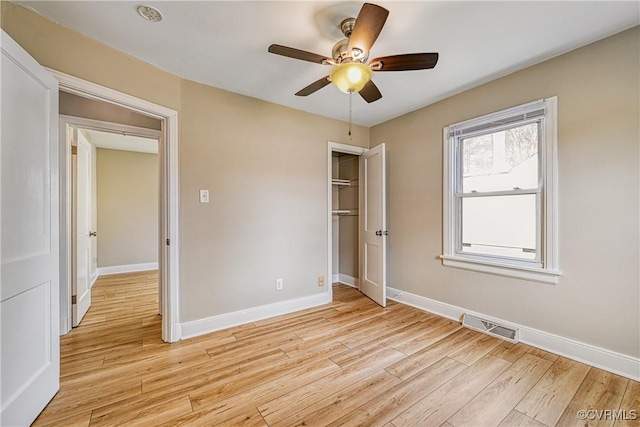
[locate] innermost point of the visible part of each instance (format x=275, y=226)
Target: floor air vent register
x=491, y=328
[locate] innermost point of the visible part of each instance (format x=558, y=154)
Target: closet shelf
x=344, y=182
x=345, y=212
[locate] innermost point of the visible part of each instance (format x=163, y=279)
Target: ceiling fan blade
x=315, y=86
x=368, y=25
x=370, y=92
x=406, y=62
x=297, y=53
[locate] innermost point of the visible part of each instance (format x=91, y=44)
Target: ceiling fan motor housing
x=341, y=53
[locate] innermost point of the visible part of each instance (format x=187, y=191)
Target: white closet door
x=373, y=235
x=29, y=305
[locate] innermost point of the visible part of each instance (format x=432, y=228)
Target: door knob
x=93, y=233
x=379, y=233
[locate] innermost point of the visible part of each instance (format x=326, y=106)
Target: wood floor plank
x=475, y=350
x=518, y=419
x=385, y=407
x=150, y=415
x=288, y=404
x=213, y=409
x=79, y=400
x=256, y=344
x=158, y=352
x=395, y=337
x=630, y=406
x=433, y=333
x=212, y=374
x=416, y=362
x=437, y=407
x=600, y=390
x=274, y=330
x=548, y=399
x=344, y=402
x=495, y=402
x=349, y=356
x=348, y=362
x=543, y=354
x=511, y=352
x=74, y=419
x=339, y=325
x=311, y=347
x=251, y=418
x=383, y=326
x=84, y=365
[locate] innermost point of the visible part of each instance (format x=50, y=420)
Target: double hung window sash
x=498, y=189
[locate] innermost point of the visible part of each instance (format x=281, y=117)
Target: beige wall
x=596, y=300
x=127, y=189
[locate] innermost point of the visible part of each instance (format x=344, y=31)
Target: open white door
x=81, y=284
x=373, y=233
x=29, y=305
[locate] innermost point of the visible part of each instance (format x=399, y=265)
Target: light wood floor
x=346, y=363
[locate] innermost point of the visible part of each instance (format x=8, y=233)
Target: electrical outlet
x=279, y=284
x=320, y=280
x=204, y=196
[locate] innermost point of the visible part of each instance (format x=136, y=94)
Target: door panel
x=83, y=221
x=373, y=233
x=30, y=347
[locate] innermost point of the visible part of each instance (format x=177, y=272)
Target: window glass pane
x=500, y=225
x=501, y=160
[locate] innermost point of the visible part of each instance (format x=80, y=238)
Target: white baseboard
x=64, y=325
x=227, y=320
x=345, y=279
x=335, y=278
x=131, y=268
x=94, y=278
x=607, y=360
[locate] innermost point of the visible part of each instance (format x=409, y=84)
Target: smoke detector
x=150, y=13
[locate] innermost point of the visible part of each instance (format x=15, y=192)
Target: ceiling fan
x=351, y=72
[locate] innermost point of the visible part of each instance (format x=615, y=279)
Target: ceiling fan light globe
x=351, y=76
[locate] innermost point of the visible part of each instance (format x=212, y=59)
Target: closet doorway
x=357, y=233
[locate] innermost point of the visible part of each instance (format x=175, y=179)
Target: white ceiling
x=115, y=141
x=224, y=43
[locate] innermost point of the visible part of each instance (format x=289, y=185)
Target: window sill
x=502, y=269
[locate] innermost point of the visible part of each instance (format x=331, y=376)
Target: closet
x=345, y=218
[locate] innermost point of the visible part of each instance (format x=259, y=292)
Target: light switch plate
x=204, y=196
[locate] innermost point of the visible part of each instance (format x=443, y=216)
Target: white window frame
x=546, y=268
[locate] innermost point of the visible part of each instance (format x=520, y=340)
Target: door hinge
x=168, y=242
x=74, y=150
x=73, y=299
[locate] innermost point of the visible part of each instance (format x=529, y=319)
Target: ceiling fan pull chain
x=350, y=112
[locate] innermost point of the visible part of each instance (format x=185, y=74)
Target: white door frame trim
x=340, y=148
x=169, y=220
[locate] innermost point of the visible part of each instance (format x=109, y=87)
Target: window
x=500, y=193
